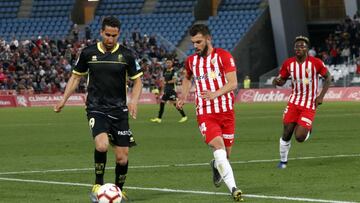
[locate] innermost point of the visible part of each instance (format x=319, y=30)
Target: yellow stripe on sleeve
x=78, y=73
x=136, y=76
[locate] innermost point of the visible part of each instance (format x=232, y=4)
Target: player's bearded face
x=201, y=44
x=301, y=49
x=110, y=37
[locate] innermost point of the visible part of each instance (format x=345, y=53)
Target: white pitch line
x=181, y=191
x=179, y=165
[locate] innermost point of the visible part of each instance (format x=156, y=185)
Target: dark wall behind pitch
x=288, y=21
x=255, y=54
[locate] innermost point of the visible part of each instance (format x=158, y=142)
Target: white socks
x=284, y=150
x=223, y=166
x=307, y=136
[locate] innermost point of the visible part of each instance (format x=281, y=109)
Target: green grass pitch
x=170, y=163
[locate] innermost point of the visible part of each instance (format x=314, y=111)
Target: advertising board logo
x=355, y=95
x=21, y=100
x=248, y=96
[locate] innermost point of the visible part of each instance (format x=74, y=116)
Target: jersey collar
x=102, y=51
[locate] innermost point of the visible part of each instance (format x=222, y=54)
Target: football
x=109, y=193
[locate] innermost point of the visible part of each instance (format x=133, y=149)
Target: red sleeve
x=284, y=71
x=320, y=67
x=227, y=61
x=189, y=72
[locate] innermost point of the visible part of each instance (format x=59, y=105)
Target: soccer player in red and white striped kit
x=304, y=71
x=214, y=73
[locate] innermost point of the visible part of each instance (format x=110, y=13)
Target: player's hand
x=278, y=81
x=318, y=101
x=132, y=109
x=208, y=95
x=180, y=103
x=59, y=106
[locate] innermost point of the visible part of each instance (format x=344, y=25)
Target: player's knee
x=101, y=142
x=301, y=137
x=122, y=160
x=102, y=147
x=217, y=143
x=301, y=134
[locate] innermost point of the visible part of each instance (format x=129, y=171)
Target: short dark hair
x=302, y=38
x=170, y=57
x=110, y=21
x=199, y=28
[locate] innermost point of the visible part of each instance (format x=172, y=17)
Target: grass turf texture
x=38, y=139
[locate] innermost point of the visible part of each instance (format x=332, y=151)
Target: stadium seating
x=52, y=8
x=238, y=22
x=119, y=7
x=9, y=9
x=164, y=22
x=173, y=6
x=236, y=5
x=54, y=27
x=165, y=26
x=48, y=18
x=355, y=81
x=239, y=15
x=168, y=22
x=342, y=73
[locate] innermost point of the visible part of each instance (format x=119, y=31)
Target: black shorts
x=117, y=127
x=169, y=95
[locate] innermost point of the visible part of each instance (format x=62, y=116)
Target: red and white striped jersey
x=304, y=80
x=209, y=75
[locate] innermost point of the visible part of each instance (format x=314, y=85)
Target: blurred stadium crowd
x=343, y=45
x=43, y=65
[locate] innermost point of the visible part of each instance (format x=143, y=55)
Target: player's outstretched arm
x=71, y=86
x=135, y=95
x=185, y=89
x=319, y=99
